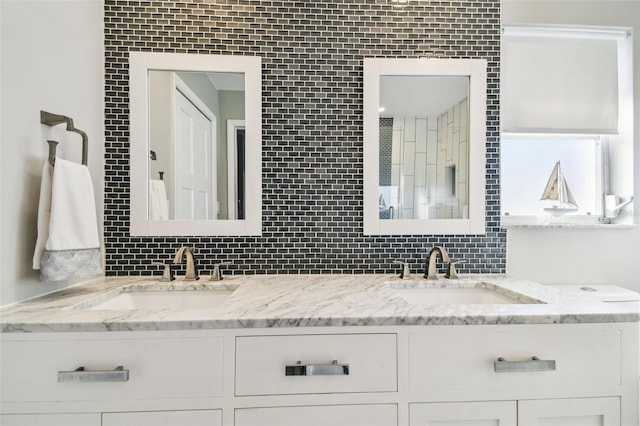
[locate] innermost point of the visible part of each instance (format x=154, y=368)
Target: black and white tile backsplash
x=312, y=178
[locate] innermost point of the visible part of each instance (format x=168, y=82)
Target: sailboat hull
x=559, y=211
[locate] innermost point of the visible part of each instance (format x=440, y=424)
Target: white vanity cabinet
x=490, y=413
x=531, y=361
x=582, y=374
x=329, y=415
x=78, y=378
x=164, y=418
x=524, y=375
x=51, y=419
x=570, y=412
x=141, y=418
x=316, y=364
x=543, y=412
x=84, y=367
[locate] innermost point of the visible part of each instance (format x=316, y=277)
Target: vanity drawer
x=164, y=418
x=500, y=358
x=301, y=364
x=328, y=415
x=152, y=368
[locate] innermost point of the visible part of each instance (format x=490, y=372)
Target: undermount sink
x=450, y=293
x=159, y=297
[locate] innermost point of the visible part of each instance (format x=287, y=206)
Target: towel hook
x=53, y=120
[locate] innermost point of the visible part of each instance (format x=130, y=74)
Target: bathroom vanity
x=320, y=350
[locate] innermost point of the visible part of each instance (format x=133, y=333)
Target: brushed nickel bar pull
x=333, y=369
x=80, y=375
x=501, y=365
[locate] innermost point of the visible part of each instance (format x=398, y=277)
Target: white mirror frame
x=140, y=63
x=476, y=70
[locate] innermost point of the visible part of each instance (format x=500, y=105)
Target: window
x=566, y=123
x=527, y=166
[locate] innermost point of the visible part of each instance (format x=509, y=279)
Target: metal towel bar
x=53, y=120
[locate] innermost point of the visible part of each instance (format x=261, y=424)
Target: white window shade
x=560, y=83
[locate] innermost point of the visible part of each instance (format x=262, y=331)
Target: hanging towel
x=72, y=248
x=44, y=214
x=158, y=203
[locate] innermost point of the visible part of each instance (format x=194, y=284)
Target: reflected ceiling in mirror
x=196, y=125
x=424, y=146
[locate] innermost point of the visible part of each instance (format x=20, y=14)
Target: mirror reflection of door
x=236, y=171
x=240, y=171
x=195, y=186
x=189, y=132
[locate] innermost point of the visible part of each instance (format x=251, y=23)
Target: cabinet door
x=164, y=418
x=332, y=415
x=90, y=419
x=570, y=412
x=492, y=413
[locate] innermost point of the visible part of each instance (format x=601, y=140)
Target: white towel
x=72, y=247
x=44, y=214
x=158, y=202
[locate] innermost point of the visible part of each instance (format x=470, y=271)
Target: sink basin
x=436, y=293
x=159, y=297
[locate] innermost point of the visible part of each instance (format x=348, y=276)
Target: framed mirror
x=195, y=140
x=424, y=146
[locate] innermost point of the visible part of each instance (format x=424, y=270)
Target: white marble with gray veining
x=303, y=301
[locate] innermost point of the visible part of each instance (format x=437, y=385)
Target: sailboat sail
x=558, y=190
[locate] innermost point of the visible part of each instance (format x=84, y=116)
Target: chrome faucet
x=430, y=271
x=192, y=267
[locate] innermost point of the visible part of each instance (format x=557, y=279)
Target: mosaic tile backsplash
x=312, y=180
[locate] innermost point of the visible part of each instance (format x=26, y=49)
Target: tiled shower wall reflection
x=312, y=125
x=424, y=166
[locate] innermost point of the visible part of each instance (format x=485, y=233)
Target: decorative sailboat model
x=558, y=191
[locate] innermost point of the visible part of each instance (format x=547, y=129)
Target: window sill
x=566, y=222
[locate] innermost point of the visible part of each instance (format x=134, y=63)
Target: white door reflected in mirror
x=184, y=136
x=196, y=124
x=195, y=172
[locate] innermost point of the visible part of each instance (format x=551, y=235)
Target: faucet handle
x=451, y=270
x=405, y=274
x=216, y=275
x=167, y=272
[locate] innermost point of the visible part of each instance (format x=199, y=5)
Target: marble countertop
x=260, y=301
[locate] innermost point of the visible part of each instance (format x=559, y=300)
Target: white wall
x=52, y=59
x=562, y=256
